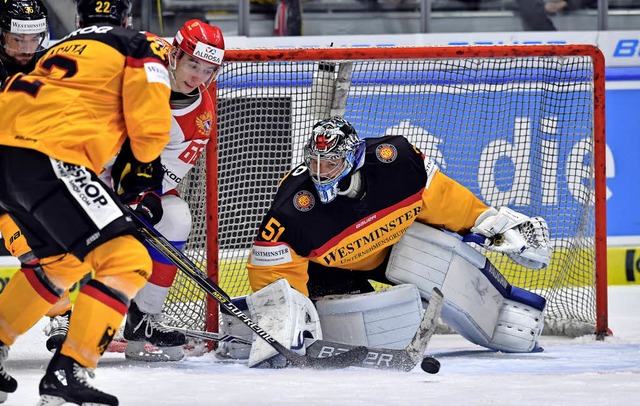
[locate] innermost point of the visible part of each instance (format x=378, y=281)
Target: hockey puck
x=430, y=365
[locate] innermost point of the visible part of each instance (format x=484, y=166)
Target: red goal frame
x=434, y=52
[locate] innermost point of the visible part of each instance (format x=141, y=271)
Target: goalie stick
x=378, y=358
x=159, y=242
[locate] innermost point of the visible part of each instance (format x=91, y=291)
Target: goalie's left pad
x=288, y=316
x=523, y=239
x=479, y=303
x=386, y=318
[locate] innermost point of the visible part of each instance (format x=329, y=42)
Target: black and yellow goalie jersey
x=86, y=94
x=401, y=187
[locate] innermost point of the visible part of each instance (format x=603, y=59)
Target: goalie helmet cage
x=521, y=126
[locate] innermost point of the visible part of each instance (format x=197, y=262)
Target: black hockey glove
x=132, y=177
x=149, y=206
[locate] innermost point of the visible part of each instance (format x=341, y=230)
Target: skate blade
x=50, y=400
x=3, y=397
x=121, y=345
x=141, y=351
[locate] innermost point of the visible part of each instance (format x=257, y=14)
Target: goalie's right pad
x=288, y=316
x=233, y=326
x=386, y=318
x=479, y=303
x=523, y=239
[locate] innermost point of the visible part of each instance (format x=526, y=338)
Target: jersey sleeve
x=145, y=96
x=273, y=255
x=269, y=262
x=449, y=205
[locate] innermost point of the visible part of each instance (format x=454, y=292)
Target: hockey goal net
x=521, y=126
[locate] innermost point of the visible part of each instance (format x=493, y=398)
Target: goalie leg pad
x=143, y=351
x=430, y=258
x=288, y=316
x=231, y=325
x=473, y=288
x=387, y=318
x=520, y=324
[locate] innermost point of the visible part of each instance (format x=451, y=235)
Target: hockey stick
x=378, y=358
x=184, y=264
x=208, y=335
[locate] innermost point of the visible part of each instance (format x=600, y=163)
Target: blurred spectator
x=533, y=14
x=554, y=6
x=288, y=19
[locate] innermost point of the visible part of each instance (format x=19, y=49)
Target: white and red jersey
x=192, y=122
x=190, y=132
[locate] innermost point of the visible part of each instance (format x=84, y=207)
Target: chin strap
x=356, y=188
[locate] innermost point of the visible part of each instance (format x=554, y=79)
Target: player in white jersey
x=194, y=63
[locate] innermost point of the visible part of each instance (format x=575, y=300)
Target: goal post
x=519, y=125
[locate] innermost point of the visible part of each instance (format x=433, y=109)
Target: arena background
x=622, y=55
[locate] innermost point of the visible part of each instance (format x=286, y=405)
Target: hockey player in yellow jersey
x=334, y=225
x=24, y=36
x=24, y=33
x=406, y=194
x=194, y=62
x=99, y=86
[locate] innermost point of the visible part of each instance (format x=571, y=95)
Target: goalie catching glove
x=523, y=239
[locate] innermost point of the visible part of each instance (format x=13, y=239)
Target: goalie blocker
x=479, y=303
x=281, y=309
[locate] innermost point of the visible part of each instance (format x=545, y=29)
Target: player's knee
x=64, y=270
x=121, y=263
x=175, y=224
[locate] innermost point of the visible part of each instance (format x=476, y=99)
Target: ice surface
x=579, y=371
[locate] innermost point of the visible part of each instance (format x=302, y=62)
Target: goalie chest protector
x=347, y=230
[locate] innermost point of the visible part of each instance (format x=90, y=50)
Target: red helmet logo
x=323, y=143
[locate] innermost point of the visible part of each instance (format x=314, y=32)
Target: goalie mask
x=204, y=45
x=24, y=29
x=333, y=153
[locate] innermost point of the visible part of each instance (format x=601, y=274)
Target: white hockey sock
x=150, y=298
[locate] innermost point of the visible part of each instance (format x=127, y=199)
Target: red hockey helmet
x=201, y=40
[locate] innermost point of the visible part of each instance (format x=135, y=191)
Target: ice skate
x=142, y=328
x=66, y=382
x=7, y=383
